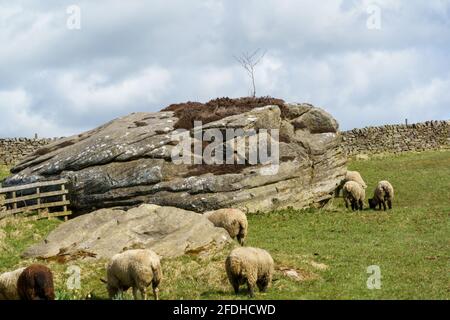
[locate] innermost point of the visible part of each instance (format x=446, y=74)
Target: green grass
x=4, y=172
x=331, y=248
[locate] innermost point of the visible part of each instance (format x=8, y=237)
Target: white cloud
x=95, y=91
x=425, y=101
x=214, y=80
x=18, y=117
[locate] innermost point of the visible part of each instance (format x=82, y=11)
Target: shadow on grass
x=243, y=292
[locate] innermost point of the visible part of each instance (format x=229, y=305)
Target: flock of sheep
x=140, y=268
x=354, y=192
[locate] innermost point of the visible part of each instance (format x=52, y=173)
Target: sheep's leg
x=346, y=203
x=119, y=293
x=135, y=293
x=112, y=291
x=354, y=205
x=155, y=284
x=384, y=205
x=235, y=284
x=360, y=205
x=240, y=239
x=143, y=292
x=260, y=284
x=251, y=284
x=389, y=203
x=251, y=289
x=263, y=283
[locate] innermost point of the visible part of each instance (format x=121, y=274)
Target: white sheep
x=232, y=220
x=351, y=176
x=354, y=193
x=249, y=265
x=8, y=285
x=384, y=192
x=355, y=176
x=135, y=269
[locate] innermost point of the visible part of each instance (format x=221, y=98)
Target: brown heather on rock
x=216, y=109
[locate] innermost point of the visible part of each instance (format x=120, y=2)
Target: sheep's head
x=373, y=203
x=241, y=239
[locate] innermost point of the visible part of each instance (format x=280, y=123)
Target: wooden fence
x=42, y=199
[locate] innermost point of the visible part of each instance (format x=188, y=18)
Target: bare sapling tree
x=249, y=62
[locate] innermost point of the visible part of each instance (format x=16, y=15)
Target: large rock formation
x=168, y=231
x=127, y=161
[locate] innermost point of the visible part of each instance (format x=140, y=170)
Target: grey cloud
x=65, y=81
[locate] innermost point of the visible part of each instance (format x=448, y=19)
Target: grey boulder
x=127, y=162
x=169, y=231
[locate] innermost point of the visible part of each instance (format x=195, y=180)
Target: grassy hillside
x=330, y=248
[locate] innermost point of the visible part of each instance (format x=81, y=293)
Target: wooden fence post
x=38, y=191
x=33, y=200
x=14, y=198
x=63, y=187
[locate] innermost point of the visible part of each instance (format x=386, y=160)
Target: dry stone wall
x=430, y=135
x=15, y=149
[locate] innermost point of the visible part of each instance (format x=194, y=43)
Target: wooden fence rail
x=47, y=199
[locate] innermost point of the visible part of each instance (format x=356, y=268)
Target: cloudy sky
x=366, y=62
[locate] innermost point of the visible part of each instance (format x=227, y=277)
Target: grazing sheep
x=36, y=283
x=355, y=176
x=384, y=192
x=355, y=194
x=136, y=269
x=8, y=285
x=249, y=265
x=351, y=176
x=232, y=220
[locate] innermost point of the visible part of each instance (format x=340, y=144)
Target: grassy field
x=330, y=248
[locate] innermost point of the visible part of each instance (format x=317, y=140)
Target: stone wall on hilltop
x=13, y=150
x=430, y=135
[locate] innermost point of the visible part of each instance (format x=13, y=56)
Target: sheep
x=8, y=285
x=351, y=176
x=249, y=265
x=354, y=193
x=232, y=220
x=384, y=192
x=36, y=283
x=355, y=176
x=136, y=269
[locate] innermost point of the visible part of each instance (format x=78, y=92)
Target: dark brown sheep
x=36, y=283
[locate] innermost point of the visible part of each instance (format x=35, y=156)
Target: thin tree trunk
x=253, y=83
